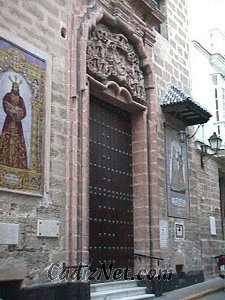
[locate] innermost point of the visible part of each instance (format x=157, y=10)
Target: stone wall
x=38, y=24
x=171, y=66
x=60, y=29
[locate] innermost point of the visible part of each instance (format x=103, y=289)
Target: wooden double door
x=111, y=195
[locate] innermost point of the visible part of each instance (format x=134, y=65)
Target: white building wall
x=206, y=38
x=217, y=41
x=202, y=88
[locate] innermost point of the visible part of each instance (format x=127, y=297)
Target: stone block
x=9, y=234
x=12, y=273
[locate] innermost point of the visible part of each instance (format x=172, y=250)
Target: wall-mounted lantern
x=214, y=145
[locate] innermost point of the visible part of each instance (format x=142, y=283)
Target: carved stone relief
x=110, y=56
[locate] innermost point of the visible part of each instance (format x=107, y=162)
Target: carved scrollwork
x=110, y=56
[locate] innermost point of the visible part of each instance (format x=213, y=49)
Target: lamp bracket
x=191, y=136
x=185, y=136
x=208, y=157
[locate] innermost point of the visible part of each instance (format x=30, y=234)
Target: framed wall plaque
x=179, y=231
x=177, y=175
x=22, y=118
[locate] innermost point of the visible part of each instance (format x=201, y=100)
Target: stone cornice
x=152, y=15
x=216, y=59
x=200, y=48
x=218, y=62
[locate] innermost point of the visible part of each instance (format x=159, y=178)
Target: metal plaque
x=48, y=228
x=179, y=231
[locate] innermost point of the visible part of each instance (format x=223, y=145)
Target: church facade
x=92, y=166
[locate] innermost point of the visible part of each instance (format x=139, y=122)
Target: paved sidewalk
x=195, y=291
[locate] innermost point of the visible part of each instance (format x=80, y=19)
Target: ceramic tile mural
x=177, y=175
x=22, y=102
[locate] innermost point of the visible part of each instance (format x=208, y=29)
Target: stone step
x=118, y=293
x=139, y=297
x=98, y=287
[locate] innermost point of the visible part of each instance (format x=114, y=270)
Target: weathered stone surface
x=29, y=19
x=13, y=273
x=9, y=234
x=38, y=23
x=111, y=56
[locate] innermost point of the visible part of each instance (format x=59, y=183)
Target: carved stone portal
x=110, y=56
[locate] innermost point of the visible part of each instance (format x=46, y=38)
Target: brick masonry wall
x=171, y=65
x=39, y=23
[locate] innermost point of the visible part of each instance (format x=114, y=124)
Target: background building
x=207, y=64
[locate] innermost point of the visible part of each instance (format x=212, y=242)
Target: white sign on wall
x=48, y=228
x=212, y=225
x=163, y=233
x=9, y=234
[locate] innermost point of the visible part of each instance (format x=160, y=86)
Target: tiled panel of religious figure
x=22, y=100
x=177, y=175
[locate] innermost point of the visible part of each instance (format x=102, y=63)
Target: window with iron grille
x=162, y=28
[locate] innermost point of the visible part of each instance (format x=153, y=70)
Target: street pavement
x=215, y=296
x=198, y=291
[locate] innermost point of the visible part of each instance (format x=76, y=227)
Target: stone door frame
x=144, y=132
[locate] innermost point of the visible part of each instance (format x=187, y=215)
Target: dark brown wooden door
x=111, y=198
